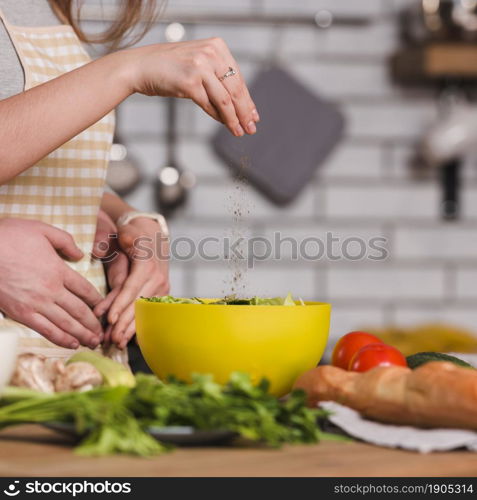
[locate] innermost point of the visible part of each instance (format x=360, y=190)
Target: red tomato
x=348, y=345
x=373, y=355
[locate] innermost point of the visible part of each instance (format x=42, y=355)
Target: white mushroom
x=78, y=376
x=31, y=371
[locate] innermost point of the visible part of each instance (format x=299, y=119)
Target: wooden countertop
x=34, y=451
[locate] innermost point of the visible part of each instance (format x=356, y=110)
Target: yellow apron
x=65, y=188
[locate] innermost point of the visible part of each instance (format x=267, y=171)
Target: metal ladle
x=124, y=174
x=173, y=183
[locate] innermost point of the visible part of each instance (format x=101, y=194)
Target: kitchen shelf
x=108, y=13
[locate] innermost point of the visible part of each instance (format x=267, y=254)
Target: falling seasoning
x=239, y=207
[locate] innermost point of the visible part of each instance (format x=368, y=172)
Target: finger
x=128, y=334
x=78, y=310
x=244, y=106
x=222, y=101
x=81, y=287
x=105, y=304
x=63, y=242
x=127, y=316
x=47, y=329
x=163, y=281
x=129, y=293
x=235, y=85
x=107, y=336
x=104, y=247
x=105, y=224
x=124, y=321
x=117, y=270
x=201, y=98
x=117, y=273
x=67, y=323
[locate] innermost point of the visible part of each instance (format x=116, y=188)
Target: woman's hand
x=116, y=262
x=193, y=70
x=138, y=266
x=38, y=288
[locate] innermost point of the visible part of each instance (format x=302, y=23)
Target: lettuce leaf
x=230, y=300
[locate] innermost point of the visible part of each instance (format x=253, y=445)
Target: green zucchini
x=421, y=358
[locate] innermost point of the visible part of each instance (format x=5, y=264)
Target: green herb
x=115, y=419
x=238, y=406
x=100, y=414
x=230, y=300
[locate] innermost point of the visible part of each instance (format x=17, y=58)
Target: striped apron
x=65, y=188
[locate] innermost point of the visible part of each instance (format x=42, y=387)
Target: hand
x=192, y=70
x=38, y=288
x=116, y=263
x=148, y=276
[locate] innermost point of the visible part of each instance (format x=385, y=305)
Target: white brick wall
x=389, y=119
x=351, y=161
x=140, y=115
x=198, y=157
x=466, y=283
x=255, y=39
x=364, y=189
x=452, y=242
x=336, y=248
x=464, y=316
x=383, y=201
x=266, y=280
x=211, y=200
x=382, y=283
x=332, y=78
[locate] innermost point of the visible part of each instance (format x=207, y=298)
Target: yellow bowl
x=276, y=342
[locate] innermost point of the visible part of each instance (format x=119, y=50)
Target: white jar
x=8, y=354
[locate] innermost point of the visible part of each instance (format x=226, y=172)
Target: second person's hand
x=38, y=288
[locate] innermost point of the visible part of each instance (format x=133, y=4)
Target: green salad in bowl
x=231, y=300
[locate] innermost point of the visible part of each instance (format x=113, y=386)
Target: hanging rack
x=323, y=18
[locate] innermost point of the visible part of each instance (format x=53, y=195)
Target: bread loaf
x=437, y=394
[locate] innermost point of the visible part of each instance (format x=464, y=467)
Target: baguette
x=437, y=394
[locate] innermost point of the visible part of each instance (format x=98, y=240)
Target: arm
x=47, y=116
x=50, y=114
x=114, y=206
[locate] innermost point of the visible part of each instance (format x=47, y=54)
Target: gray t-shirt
x=19, y=13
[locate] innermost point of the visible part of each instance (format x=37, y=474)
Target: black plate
x=181, y=436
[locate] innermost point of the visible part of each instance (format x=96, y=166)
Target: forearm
x=38, y=121
x=114, y=206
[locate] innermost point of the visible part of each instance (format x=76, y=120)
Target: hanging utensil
x=447, y=142
x=172, y=183
x=124, y=174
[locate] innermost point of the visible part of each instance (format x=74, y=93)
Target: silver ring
x=230, y=72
